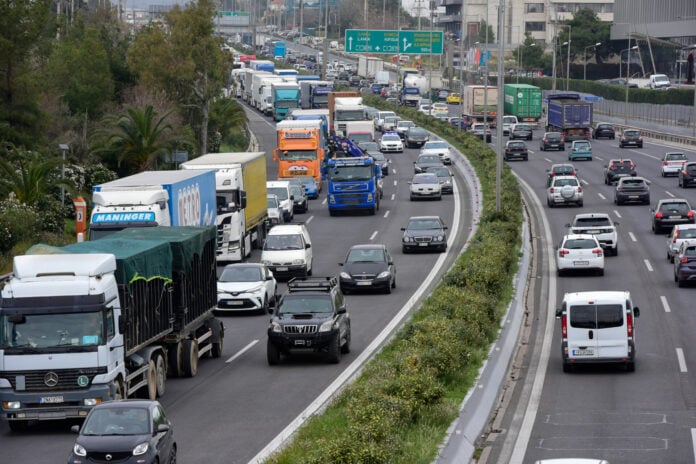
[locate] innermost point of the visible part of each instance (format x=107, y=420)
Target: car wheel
x=580, y=203
x=680, y=283
x=172, y=455
x=549, y=203
x=600, y=272
x=345, y=348
x=567, y=367
x=541, y=147
x=333, y=353
x=630, y=366
x=272, y=354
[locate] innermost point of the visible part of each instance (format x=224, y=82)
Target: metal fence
x=672, y=115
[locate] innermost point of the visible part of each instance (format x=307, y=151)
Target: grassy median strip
x=399, y=408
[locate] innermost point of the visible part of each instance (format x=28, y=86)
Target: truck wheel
x=190, y=361
x=216, y=343
x=333, y=354
x=272, y=354
x=118, y=389
x=151, y=388
x=175, y=355
x=161, y=374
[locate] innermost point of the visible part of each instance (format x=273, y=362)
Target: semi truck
x=353, y=184
x=105, y=320
x=153, y=198
x=279, y=49
x=285, y=96
x=524, y=102
x=262, y=96
x=369, y=66
x=347, y=116
x=315, y=94
x=261, y=65
x=477, y=100
x=568, y=114
x=302, y=148
x=240, y=191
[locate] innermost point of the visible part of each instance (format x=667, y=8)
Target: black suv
x=416, y=137
x=687, y=175
x=632, y=190
x=669, y=212
x=618, y=168
x=631, y=137
x=310, y=317
x=604, y=130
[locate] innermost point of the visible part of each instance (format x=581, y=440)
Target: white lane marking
x=602, y=196
x=393, y=196
x=374, y=234
x=395, y=183
x=547, y=159
x=584, y=182
x=665, y=304
x=617, y=213
x=648, y=265
x=669, y=193
x=600, y=159
x=393, y=170
x=386, y=214
x=681, y=360
x=323, y=202
x=633, y=237
x=309, y=219
x=242, y=351
x=693, y=434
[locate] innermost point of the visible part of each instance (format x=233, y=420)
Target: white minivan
x=281, y=189
x=598, y=327
x=287, y=251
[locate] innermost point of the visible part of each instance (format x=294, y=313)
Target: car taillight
x=562, y=252
x=658, y=215
x=690, y=214
x=579, y=189
x=564, y=326
x=545, y=140
x=597, y=251
x=551, y=190
x=629, y=324
x=684, y=260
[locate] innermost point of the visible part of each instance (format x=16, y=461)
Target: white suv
x=601, y=226
x=564, y=190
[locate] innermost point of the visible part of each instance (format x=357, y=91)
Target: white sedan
x=580, y=252
x=440, y=108
x=391, y=142
x=439, y=148
x=246, y=287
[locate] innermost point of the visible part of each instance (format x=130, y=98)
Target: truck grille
x=300, y=329
x=52, y=380
x=350, y=199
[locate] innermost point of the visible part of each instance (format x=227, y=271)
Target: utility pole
x=485, y=79
x=499, y=127
x=461, y=70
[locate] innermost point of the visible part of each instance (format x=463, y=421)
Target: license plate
x=581, y=263
x=367, y=282
x=235, y=303
x=422, y=244
x=593, y=231
x=583, y=352
x=282, y=268
x=633, y=196
x=50, y=399
x=674, y=217
x=303, y=342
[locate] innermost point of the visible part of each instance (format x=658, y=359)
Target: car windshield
x=440, y=172
x=241, y=274
x=307, y=180
x=592, y=221
x=516, y=144
x=424, y=224
x=675, y=157
x=391, y=119
x=391, y=138
x=563, y=170
x=631, y=133
x=632, y=182
x=360, y=138
x=378, y=156
x=365, y=255
x=425, y=159
x=425, y=179
x=405, y=124
x=434, y=145
x=298, y=192
x=298, y=155
x=283, y=242
x=271, y=202
x=295, y=304
x=686, y=233
x=661, y=79
x=522, y=127
x=579, y=244
x=280, y=192
x=117, y=421
x=553, y=136
x=581, y=145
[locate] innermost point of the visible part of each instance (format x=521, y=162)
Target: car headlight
x=383, y=275
x=326, y=326
x=275, y=327
x=141, y=449
x=406, y=238
x=345, y=275
x=298, y=261
x=440, y=238
x=79, y=450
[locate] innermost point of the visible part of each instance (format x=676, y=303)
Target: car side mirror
x=75, y=429
x=444, y=227
x=636, y=312
x=403, y=228
x=342, y=310
x=308, y=245
x=163, y=428
x=559, y=313
x=340, y=264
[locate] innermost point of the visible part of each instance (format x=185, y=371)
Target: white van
x=508, y=122
x=281, y=189
x=659, y=81
x=598, y=327
x=287, y=251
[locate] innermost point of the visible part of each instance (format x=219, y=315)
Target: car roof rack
x=314, y=284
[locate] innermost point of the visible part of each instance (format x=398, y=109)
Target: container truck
x=240, y=190
x=524, y=102
x=279, y=49
x=302, y=148
x=353, y=184
x=247, y=82
x=568, y=114
x=475, y=100
x=153, y=198
x=104, y=320
x=369, y=66
x=262, y=65
x=285, y=97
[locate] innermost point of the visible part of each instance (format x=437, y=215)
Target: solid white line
x=633, y=237
x=374, y=234
x=309, y=219
x=617, y=213
x=242, y=351
x=393, y=196
x=665, y=304
x=681, y=360
x=386, y=214
x=550, y=161
x=647, y=264
x=602, y=196
x=669, y=193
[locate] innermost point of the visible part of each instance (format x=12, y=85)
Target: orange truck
x=301, y=148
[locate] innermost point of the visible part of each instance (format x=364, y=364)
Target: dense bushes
x=399, y=409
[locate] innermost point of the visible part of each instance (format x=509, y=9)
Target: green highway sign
x=397, y=42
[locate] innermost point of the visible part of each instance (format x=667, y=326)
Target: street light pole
x=584, y=54
x=64, y=148
x=521, y=58
x=628, y=74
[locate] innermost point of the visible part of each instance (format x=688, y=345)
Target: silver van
x=598, y=327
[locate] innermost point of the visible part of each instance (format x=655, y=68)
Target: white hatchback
x=580, y=253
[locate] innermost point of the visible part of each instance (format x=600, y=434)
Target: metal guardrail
x=674, y=139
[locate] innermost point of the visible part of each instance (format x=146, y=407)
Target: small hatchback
x=604, y=130
x=580, y=149
x=687, y=175
x=552, y=141
x=680, y=234
x=672, y=163
x=631, y=137
x=685, y=263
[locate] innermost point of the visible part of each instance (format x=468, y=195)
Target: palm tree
x=31, y=177
x=138, y=139
x=226, y=116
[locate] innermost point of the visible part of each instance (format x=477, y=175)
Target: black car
x=416, y=137
x=383, y=162
x=521, y=131
x=444, y=176
x=687, y=175
x=516, y=149
x=402, y=127
x=669, y=212
x=310, y=317
x=125, y=431
x=631, y=137
x=552, y=140
x=368, y=267
x=354, y=81
x=423, y=162
x=604, y=130
x=424, y=233
x=300, y=203
x=685, y=264
x=632, y=190
x=618, y=168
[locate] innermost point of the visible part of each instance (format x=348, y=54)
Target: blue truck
x=262, y=65
x=319, y=98
x=279, y=49
x=353, y=179
x=153, y=198
x=568, y=114
x=285, y=97
x=410, y=96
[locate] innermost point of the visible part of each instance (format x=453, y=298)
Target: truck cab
x=353, y=184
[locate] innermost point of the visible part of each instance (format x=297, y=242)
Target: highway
x=238, y=404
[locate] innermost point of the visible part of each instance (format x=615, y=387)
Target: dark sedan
x=687, y=175
x=685, y=264
x=128, y=431
x=424, y=233
x=521, y=131
x=444, y=176
x=368, y=267
x=416, y=137
x=631, y=137
x=604, y=130
x=516, y=149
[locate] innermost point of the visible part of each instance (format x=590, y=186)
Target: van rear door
x=612, y=338
x=582, y=328
x=597, y=330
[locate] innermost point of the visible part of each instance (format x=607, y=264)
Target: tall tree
x=183, y=57
x=585, y=30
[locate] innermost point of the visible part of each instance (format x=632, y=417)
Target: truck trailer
x=568, y=114
x=153, y=198
x=524, y=102
x=105, y=320
x=478, y=100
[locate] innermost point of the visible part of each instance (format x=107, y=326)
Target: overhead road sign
x=391, y=42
